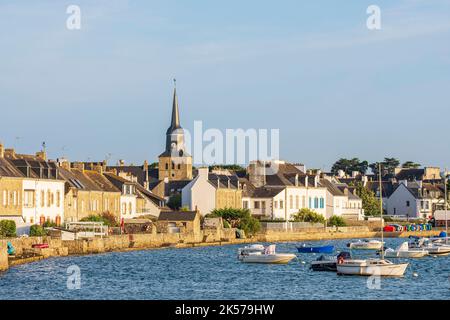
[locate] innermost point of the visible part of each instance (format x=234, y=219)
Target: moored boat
x=315, y=249
x=261, y=254
x=366, y=245
x=403, y=251
x=371, y=267
x=324, y=263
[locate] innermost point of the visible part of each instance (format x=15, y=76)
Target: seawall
x=3, y=255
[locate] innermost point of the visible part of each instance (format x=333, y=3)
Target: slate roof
x=332, y=188
x=7, y=169
x=177, y=216
x=410, y=174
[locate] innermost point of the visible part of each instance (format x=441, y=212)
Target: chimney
x=41, y=155
x=10, y=153
x=78, y=165
x=145, y=165
x=121, y=163
x=64, y=163
x=203, y=173
x=104, y=165
x=229, y=183
x=2, y=150
x=296, y=180
x=306, y=181
x=98, y=168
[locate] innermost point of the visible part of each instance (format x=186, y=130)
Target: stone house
x=179, y=221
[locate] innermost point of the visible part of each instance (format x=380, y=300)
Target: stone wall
x=3, y=255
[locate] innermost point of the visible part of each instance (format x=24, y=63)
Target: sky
x=311, y=69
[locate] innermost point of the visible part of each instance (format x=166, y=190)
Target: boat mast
x=445, y=205
x=381, y=211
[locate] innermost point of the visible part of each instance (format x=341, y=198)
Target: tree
x=336, y=221
x=349, y=166
x=238, y=218
x=153, y=165
x=410, y=164
x=174, y=202
x=370, y=203
x=308, y=215
x=387, y=166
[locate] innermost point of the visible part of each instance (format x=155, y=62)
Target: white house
x=281, y=193
x=49, y=201
x=409, y=201
x=199, y=194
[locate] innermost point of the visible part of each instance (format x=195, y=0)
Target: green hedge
x=7, y=228
x=37, y=231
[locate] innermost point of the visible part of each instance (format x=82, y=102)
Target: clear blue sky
x=309, y=68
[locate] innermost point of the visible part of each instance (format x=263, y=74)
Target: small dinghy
x=257, y=253
x=319, y=249
x=366, y=245
x=324, y=263
x=403, y=251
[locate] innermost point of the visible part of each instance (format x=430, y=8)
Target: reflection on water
x=215, y=273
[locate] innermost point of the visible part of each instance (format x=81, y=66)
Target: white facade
x=403, y=202
x=199, y=194
x=288, y=202
x=48, y=203
x=128, y=200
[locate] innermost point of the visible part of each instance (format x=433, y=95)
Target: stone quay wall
x=3, y=255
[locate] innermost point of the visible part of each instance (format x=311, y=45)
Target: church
x=174, y=169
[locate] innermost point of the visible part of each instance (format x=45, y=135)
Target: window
x=173, y=166
x=275, y=204
x=291, y=202
x=28, y=198
x=49, y=198
x=310, y=202
x=179, y=166
x=297, y=202
x=322, y=203
x=245, y=204
x=130, y=208
x=256, y=204
x=263, y=206
x=5, y=198
x=14, y=198
x=407, y=203
x=58, y=198
x=316, y=202
x=281, y=204
x=43, y=199
x=167, y=166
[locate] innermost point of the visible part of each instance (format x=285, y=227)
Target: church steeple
x=175, y=163
x=175, y=122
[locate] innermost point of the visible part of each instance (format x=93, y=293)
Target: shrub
x=307, y=215
x=336, y=221
x=37, y=231
x=49, y=224
x=107, y=218
x=226, y=224
x=238, y=218
x=7, y=228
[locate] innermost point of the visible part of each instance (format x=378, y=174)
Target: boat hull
x=406, y=254
x=323, y=249
x=386, y=270
x=324, y=266
x=365, y=246
x=268, y=258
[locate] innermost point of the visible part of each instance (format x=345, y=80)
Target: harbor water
x=215, y=273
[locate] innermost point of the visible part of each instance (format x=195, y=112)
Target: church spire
x=175, y=123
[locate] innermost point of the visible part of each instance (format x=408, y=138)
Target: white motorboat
x=403, y=251
x=433, y=248
x=371, y=267
x=366, y=245
x=257, y=253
